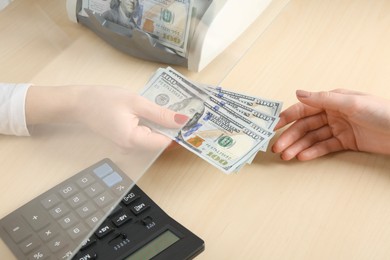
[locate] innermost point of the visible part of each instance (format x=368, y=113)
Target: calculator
x=99, y=213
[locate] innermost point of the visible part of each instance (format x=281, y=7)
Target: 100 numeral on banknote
x=167, y=20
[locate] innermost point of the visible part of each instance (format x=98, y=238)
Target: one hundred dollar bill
x=262, y=119
x=269, y=107
x=210, y=133
x=166, y=20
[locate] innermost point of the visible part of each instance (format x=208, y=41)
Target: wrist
x=46, y=104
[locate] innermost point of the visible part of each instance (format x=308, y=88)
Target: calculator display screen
x=155, y=247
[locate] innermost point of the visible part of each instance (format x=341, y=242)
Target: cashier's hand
x=331, y=121
x=112, y=112
x=115, y=113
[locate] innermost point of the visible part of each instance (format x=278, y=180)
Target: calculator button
x=50, y=201
x=129, y=198
x=57, y=244
x=17, y=228
x=94, y=219
x=86, y=210
x=94, y=189
x=139, y=208
x=29, y=244
x=103, y=170
x=65, y=254
x=85, y=181
x=68, y=190
x=39, y=254
x=103, y=199
x=87, y=256
x=77, y=200
x=112, y=179
x=147, y=221
x=103, y=231
x=68, y=221
x=48, y=233
x=120, y=189
x=59, y=211
x=36, y=217
x=90, y=241
x=121, y=219
x=77, y=231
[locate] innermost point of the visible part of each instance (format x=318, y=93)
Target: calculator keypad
x=53, y=225
x=126, y=214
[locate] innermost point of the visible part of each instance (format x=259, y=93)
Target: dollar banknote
x=269, y=107
x=211, y=133
x=166, y=20
x=259, y=117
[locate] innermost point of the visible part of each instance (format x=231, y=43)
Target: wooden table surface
x=334, y=207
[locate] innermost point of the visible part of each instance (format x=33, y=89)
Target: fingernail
x=181, y=119
x=302, y=94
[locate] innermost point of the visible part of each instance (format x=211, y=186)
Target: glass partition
x=204, y=40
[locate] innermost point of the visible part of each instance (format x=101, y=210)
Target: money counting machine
x=190, y=33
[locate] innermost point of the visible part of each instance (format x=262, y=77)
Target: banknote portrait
x=121, y=12
x=192, y=107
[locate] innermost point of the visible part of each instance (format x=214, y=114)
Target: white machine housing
x=221, y=23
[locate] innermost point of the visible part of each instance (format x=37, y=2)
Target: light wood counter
x=335, y=207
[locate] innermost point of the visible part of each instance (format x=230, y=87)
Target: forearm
x=46, y=104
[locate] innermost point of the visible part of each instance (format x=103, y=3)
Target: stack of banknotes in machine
x=227, y=129
x=169, y=22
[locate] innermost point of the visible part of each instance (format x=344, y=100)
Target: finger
x=349, y=92
x=160, y=115
x=307, y=141
x=297, y=130
x=337, y=101
x=320, y=149
x=295, y=112
x=314, y=102
x=143, y=137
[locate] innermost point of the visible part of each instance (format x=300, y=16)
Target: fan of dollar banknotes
x=227, y=129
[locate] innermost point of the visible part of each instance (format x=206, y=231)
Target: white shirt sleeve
x=12, y=109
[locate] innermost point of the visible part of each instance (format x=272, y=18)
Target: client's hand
x=337, y=120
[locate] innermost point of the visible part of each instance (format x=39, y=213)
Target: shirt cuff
x=13, y=115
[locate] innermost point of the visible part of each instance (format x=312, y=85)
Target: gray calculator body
x=99, y=213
